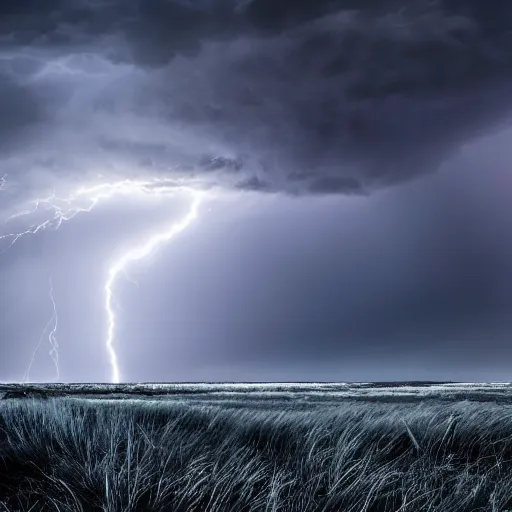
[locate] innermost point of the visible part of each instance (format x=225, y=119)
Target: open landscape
x=256, y=447
x=298, y=211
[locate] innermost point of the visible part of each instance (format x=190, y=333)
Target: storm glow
x=57, y=210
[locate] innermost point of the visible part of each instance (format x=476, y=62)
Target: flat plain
x=256, y=447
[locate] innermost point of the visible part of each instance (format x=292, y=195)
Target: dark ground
x=256, y=447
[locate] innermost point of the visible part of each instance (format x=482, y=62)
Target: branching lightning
x=54, y=347
x=57, y=210
x=83, y=200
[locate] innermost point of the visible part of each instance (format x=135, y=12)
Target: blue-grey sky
x=357, y=218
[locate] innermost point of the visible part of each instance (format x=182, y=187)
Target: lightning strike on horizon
x=84, y=200
x=136, y=254
x=54, y=347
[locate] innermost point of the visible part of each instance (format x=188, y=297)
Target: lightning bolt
x=59, y=210
x=135, y=254
x=83, y=200
x=54, y=347
x=3, y=181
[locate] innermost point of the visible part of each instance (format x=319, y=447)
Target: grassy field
x=73, y=454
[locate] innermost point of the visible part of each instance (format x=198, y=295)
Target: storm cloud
x=301, y=97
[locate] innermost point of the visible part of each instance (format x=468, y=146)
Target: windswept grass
x=71, y=455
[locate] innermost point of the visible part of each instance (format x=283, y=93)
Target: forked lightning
x=54, y=346
x=56, y=210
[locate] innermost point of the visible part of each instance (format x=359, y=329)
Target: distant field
x=273, y=447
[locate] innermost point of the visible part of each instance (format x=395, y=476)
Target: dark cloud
x=19, y=110
x=216, y=163
x=254, y=184
x=324, y=96
x=336, y=184
x=276, y=16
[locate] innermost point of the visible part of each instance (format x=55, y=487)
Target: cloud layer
x=294, y=96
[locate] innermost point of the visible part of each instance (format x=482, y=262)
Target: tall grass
x=72, y=455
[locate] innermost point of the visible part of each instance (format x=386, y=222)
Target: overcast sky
x=356, y=160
